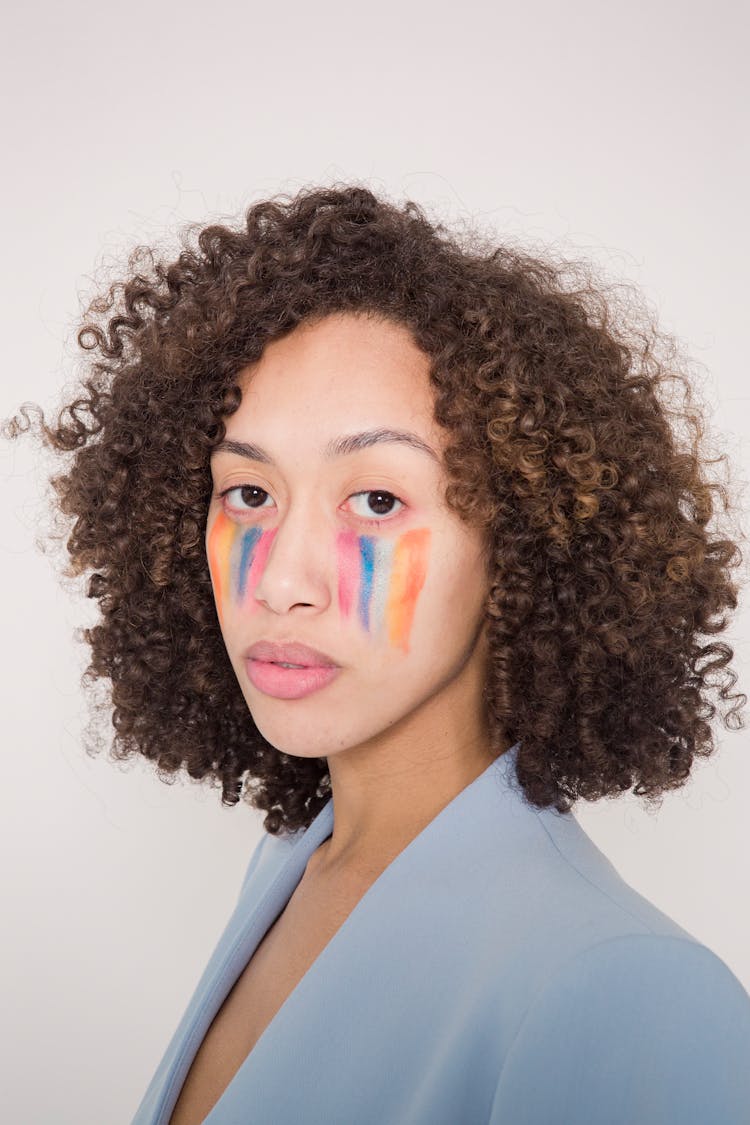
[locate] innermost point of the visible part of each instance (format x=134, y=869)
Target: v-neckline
x=288, y=877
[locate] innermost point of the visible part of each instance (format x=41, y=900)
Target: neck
x=387, y=790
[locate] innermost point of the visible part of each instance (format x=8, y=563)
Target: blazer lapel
x=276, y=868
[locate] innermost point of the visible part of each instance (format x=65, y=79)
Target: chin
x=299, y=738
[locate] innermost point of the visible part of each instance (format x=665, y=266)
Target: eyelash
x=363, y=492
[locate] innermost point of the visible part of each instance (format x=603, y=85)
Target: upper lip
x=291, y=653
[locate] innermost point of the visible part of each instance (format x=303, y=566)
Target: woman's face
x=320, y=536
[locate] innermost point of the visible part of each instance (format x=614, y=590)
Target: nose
x=299, y=564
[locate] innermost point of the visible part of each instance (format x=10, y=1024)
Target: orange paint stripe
x=408, y=573
x=219, y=549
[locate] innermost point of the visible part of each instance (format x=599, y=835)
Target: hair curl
x=604, y=574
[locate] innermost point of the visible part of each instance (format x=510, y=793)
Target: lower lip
x=289, y=683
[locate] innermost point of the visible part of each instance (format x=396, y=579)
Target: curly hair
x=605, y=574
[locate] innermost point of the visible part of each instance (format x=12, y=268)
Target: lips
x=291, y=653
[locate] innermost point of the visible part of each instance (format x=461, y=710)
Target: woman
x=394, y=538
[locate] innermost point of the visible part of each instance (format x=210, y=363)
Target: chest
x=289, y=948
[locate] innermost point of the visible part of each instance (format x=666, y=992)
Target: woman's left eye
x=382, y=503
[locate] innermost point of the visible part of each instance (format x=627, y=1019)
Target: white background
x=615, y=133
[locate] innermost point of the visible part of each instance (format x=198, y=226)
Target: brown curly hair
x=605, y=574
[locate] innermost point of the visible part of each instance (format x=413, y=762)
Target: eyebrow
x=336, y=447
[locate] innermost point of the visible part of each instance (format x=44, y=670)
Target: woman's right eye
x=248, y=492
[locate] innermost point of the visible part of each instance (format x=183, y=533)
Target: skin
x=403, y=726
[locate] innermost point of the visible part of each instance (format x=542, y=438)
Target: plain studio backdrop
x=616, y=134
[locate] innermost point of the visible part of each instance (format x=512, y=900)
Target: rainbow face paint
x=236, y=558
x=379, y=579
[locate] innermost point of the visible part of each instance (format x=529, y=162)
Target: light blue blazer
x=498, y=971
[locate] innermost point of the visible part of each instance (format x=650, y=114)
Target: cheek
x=380, y=581
x=236, y=557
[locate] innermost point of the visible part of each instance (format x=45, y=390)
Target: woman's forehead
x=342, y=350
x=338, y=381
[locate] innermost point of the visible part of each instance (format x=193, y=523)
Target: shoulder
x=594, y=884
x=651, y=1028
x=650, y=974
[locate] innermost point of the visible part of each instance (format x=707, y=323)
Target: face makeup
x=236, y=557
x=379, y=579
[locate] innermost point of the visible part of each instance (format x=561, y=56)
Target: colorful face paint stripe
x=408, y=573
x=242, y=555
x=383, y=551
x=366, y=565
x=219, y=550
x=251, y=577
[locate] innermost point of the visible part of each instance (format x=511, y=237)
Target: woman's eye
x=375, y=502
x=248, y=494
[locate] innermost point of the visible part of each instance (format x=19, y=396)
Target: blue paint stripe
x=246, y=547
x=366, y=564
